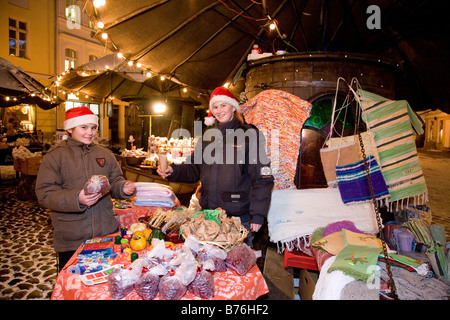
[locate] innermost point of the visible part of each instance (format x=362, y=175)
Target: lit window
x=18, y=34
x=71, y=58
x=92, y=57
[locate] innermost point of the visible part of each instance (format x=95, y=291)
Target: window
x=71, y=58
x=92, y=57
x=18, y=34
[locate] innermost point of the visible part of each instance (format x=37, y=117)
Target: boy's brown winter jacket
x=63, y=173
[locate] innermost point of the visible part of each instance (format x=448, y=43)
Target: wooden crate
x=29, y=166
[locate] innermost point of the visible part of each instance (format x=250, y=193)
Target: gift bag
x=344, y=150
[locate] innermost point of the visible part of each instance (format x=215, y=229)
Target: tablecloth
x=128, y=216
x=228, y=285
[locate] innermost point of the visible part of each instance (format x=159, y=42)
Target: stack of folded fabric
x=154, y=195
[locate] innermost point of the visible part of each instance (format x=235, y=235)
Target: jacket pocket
x=234, y=196
x=71, y=227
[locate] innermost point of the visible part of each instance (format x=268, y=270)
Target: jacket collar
x=232, y=124
x=71, y=142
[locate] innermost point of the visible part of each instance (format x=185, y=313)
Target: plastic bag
x=171, y=288
x=203, y=285
x=121, y=281
x=147, y=286
x=241, y=259
x=217, y=255
x=97, y=183
x=187, y=271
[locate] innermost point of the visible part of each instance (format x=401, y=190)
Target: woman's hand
x=89, y=199
x=165, y=174
x=128, y=188
x=254, y=227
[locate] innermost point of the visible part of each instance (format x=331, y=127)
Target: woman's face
x=222, y=111
x=85, y=133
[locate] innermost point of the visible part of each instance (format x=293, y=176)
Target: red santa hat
x=221, y=94
x=78, y=116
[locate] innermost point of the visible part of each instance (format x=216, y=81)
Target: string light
x=99, y=3
x=106, y=37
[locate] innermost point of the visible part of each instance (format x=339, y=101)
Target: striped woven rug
x=395, y=124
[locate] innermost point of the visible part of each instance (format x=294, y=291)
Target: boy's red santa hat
x=79, y=116
x=221, y=94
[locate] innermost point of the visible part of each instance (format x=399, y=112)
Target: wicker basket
x=227, y=246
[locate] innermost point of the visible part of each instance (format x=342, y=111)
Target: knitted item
x=280, y=116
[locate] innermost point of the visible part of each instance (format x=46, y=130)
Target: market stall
x=228, y=285
x=172, y=245
x=359, y=254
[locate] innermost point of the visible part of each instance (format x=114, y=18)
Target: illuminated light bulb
x=138, y=65
x=162, y=78
x=119, y=55
x=99, y=3
x=104, y=35
x=130, y=63
x=100, y=25
x=57, y=83
x=106, y=67
x=159, y=107
x=7, y=98
x=184, y=89
x=272, y=26
x=149, y=74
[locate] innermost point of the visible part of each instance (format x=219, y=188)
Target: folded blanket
x=295, y=214
x=154, y=195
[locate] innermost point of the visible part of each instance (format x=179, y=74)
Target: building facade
x=45, y=38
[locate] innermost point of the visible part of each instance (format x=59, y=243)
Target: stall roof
x=18, y=87
x=203, y=43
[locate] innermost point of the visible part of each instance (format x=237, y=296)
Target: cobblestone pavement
x=27, y=259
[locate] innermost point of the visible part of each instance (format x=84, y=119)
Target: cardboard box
x=29, y=166
x=307, y=283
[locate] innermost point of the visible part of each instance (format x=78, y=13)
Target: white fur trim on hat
x=80, y=120
x=226, y=99
x=209, y=121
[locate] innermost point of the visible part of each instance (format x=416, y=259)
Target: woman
x=232, y=167
x=64, y=170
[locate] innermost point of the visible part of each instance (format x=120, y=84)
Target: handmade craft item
x=280, y=116
x=395, y=124
x=353, y=181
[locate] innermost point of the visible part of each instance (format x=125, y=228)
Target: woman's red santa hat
x=79, y=116
x=220, y=94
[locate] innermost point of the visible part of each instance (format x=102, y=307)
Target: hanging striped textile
x=395, y=124
x=353, y=182
x=280, y=116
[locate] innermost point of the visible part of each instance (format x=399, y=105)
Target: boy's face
x=85, y=133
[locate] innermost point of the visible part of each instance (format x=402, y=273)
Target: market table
x=228, y=285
